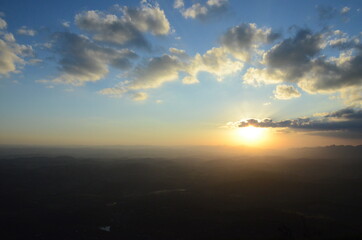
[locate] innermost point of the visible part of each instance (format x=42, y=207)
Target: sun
x=252, y=135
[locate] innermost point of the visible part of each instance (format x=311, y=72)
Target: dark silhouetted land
x=313, y=193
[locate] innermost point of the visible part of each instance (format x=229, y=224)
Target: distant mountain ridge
x=332, y=151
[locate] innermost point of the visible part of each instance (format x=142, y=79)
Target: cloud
x=245, y=38
x=117, y=91
x=156, y=72
x=256, y=77
x=148, y=18
x=178, y=52
x=140, y=96
x=342, y=123
x=125, y=29
x=3, y=23
x=65, y=24
x=352, y=96
x=178, y=4
x=12, y=54
x=333, y=74
x=345, y=10
x=300, y=59
x=293, y=55
x=203, y=12
x=288, y=60
x=326, y=12
x=167, y=68
x=9, y=37
x=26, y=31
x=8, y=58
x=285, y=92
x=152, y=74
x=81, y=60
x=216, y=61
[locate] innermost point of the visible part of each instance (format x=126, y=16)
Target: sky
x=264, y=73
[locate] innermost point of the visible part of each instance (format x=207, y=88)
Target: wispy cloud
x=24, y=30
x=203, y=12
x=158, y=70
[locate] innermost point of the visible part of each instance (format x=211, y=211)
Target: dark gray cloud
x=300, y=59
x=156, y=72
x=81, y=60
x=127, y=29
x=293, y=55
x=347, y=113
x=111, y=30
x=344, y=122
x=241, y=40
x=327, y=75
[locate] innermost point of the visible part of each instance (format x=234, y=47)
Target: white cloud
x=352, y=96
x=212, y=8
x=152, y=74
x=345, y=10
x=257, y=77
x=178, y=52
x=167, y=68
x=178, y=4
x=8, y=58
x=285, y=92
x=26, y=31
x=65, y=24
x=190, y=80
x=140, y=96
x=9, y=37
x=116, y=91
x=12, y=54
x=216, y=61
x=195, y=11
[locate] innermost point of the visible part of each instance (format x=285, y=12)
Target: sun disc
x=251, y=135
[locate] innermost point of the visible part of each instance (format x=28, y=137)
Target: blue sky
x=180, y=72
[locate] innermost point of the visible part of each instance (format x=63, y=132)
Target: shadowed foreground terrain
x=239, y=197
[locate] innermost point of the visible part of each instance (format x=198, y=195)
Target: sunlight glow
x=252, y=135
